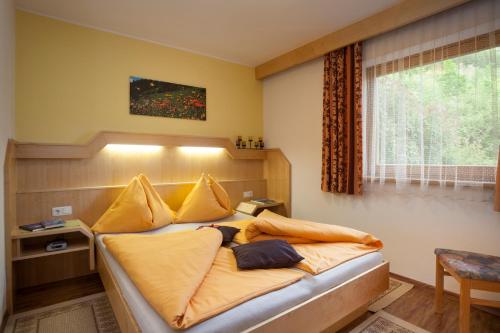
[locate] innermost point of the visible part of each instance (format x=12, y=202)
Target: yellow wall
x=72, y=82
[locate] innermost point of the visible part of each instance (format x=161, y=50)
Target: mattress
x=246, y=314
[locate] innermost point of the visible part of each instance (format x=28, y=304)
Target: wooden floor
x=416, y=306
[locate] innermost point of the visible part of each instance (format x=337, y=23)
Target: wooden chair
x=472, y=271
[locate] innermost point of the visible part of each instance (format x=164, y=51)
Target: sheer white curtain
x=431, y=99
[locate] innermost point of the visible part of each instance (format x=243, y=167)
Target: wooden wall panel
x=110, y=168
x=10, y=177
x=277, y=171
x=89, y=204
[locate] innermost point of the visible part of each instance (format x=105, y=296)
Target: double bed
x=135, y=314
x=90, y=178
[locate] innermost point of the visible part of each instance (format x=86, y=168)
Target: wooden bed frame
x=41, y=176
x=332, y=309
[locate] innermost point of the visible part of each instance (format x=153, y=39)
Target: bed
x=89, y=177
x=134, y=314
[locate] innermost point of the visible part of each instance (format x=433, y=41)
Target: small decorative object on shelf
x=250, y=143
x=250, y=140
x=56, y=245
x=43, y=225
x=264, y=201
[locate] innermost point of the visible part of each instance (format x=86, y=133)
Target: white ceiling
x=248, y=32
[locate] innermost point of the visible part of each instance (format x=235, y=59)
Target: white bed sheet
x=246, y=314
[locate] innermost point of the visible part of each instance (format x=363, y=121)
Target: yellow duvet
x=187, y=277
x=323, y=246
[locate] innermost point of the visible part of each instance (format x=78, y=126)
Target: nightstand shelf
x=253, y=208
x=70, y=226
x=30, y=245
x=30, y=252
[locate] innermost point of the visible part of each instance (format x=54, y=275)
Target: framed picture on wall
x=165, y=99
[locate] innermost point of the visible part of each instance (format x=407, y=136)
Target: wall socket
x=248, y=194
x=61, y=211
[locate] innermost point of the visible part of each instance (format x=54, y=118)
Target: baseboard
x=420, y=283
x=413, y=281
x=4, y=321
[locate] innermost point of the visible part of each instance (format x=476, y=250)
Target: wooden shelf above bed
x=76, y=151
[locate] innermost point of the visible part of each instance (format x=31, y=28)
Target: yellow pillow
x=138, y=208
x=129, y=213
x=220, y=194
x=201, y=204
x=162, y=214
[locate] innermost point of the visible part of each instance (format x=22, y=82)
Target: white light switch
x=61, y=211
x=247, y=194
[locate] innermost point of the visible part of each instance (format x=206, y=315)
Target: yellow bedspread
x=323, y=246
x=187, y=277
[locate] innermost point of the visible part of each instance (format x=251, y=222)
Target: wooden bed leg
x=438, y=302
x=464, y=320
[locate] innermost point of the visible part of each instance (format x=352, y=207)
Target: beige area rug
x=383, y=322
x=90, y=314
x=396, y=289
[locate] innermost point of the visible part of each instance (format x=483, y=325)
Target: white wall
x=411, y=226
x=7, y=50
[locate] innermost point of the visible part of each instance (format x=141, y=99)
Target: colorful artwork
x=165, y=99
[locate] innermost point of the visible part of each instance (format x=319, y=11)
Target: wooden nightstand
x=253, y=208
x=29, y=245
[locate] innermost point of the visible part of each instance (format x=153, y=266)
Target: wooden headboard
x=89, y=177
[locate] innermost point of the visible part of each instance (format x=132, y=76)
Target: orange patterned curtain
x=342, y=170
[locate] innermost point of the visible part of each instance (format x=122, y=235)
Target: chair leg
x=464, y=319
x=438, y=300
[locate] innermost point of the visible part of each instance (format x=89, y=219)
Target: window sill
x=433, y=183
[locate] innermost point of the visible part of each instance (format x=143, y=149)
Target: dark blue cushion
x=228, y=233
x=266, y=254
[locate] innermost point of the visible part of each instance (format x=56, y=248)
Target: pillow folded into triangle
x=220, y=194
x=138, y=208
x=207, y=201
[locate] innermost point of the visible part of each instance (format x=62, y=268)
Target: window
x=433, y=116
